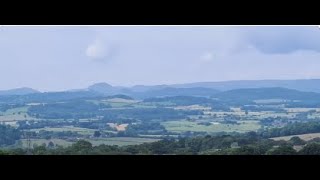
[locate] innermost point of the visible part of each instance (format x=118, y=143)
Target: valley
x=63, y=118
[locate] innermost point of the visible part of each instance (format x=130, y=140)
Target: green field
x=154, y=104
x=156, y=136
x=119, y=100
x=112, y=104
x=143, y=105
x=183, y=126
x=15, y=114
x=39, y=142
x=193, y=107
x=115, y=102
x=119, y=141
x=305, y=137
x=23, y=109
x=269, y=101
x=82, y=131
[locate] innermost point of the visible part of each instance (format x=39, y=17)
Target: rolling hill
x=18, y=91
x=267, y=93
x=312, y=85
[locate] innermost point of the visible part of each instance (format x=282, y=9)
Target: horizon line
x=171, y=84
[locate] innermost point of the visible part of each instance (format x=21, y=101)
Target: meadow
x=305, y=137
x=119, y=141
x=82, y=131
x=15, y=114
x=211, y=121
x=183, y=126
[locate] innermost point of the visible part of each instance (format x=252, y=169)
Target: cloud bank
x=282, y=39
x=99, y=50
x=49, y=58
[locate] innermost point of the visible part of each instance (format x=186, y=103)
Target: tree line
x=247, y=144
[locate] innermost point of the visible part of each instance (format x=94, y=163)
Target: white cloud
x=282, y=39
x=98, y=50
x=207, y=57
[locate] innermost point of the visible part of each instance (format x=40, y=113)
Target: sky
x=56, y=58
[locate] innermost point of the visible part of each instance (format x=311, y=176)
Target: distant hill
x=47, y=97
x=243, y=89
x=204, y=88
x=312, y=85
x=168, y=91
x=308, y=85
x=18, y=91
x=181, y=100
x=107, y=89
x=100, y=87
x=146, y=91
x=267, y=93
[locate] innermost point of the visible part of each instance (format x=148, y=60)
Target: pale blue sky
x=52, y=58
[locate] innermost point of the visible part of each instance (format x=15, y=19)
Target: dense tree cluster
x=293, y=129
x=248, y=144
x=146, y=128
x=84, y=110
x=191, y=100
x=69, y=110
x=256, y=108
x=147, y=114
x=8, y=135
x=182, y=100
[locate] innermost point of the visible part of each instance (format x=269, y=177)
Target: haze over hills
x=18, y=91
x=188, y=89
x=312, y=85
x=268, y=93
x=209, y=88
